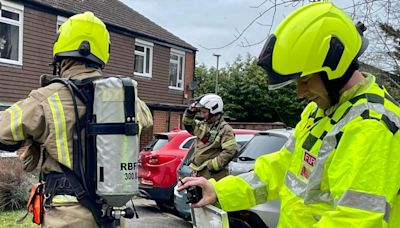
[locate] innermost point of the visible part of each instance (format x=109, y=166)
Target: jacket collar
x=357, y=89
x=81, y=72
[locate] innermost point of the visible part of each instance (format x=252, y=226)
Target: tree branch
x=247, y=27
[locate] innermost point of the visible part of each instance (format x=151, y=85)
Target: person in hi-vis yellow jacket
x=341, y=167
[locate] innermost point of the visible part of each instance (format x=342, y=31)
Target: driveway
x=151, y=216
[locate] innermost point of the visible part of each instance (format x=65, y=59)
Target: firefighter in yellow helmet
x=341, y=167
x=46, y=119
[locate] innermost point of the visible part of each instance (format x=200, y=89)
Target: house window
x=143, y=58
x=11, y=27
x=176, y=69
x=60, y=21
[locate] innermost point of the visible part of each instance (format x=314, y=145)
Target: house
x=161, y=63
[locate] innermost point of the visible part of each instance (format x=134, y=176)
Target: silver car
x=267, y=214
x=264, y=215
x=262, y=143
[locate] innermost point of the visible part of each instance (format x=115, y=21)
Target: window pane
x=9, y=41
x=157, y=143
x=243, y=138
x=173, y=70
x=10, y=15
x=139, y=61
x=174, y=57
x=188, y=143
x=147, y=60
x=180, y=67
x=139, y=48
x=262, y=144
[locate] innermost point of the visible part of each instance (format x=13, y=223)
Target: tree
x=243, y=87
x=392, y=81
x=371, y=12
x=204, y=80
x=394, y=35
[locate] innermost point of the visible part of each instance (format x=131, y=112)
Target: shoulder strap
x=83, y=197
x=83, y=186
x=77, y=151
x=130, y=98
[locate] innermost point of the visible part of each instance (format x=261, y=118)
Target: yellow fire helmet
x=83, y=36
x=317, y=37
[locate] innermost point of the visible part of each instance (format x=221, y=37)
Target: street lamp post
x=216, y=78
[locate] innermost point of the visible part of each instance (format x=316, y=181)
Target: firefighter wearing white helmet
x=212, y=102
x=216, y=143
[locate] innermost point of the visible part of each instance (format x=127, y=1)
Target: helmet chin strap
x=56, y=67
x=334, y=86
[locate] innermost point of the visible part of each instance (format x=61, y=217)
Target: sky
x=207, y=24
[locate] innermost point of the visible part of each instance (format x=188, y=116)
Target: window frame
x=19, y=9
x=185, y=141
x=145, y=45
x=180, y=54
x=60, y=21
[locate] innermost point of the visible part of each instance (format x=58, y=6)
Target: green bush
x=15, y=184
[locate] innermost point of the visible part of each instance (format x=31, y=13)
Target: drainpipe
x=194, y=72
x=169, y=120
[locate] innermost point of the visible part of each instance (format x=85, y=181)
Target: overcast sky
x=213, y=23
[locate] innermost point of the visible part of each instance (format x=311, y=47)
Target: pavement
x=151, y=216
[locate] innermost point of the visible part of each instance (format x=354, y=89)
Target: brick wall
x=189, y=75
x=160, y=121
x=175, y=120
x=145, y=137
x=160, y=125
x=39, y=33
x=18, y=81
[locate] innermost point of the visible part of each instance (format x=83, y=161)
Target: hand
x=209, y=194
x=29, y=155
x=192, y=107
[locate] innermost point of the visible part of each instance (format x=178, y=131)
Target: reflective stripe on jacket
x=215, y=148
x=341, y=168
x=47, y=117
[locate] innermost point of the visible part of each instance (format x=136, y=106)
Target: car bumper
x=155, y=193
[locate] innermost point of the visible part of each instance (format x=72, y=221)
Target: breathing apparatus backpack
x=104, y=175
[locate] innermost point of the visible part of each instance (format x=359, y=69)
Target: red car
x=159, y=161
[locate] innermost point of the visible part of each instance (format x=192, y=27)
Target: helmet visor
x=275, y=79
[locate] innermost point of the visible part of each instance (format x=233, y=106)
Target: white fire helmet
x=211, y=102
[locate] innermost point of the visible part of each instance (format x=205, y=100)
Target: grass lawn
x=7, y=219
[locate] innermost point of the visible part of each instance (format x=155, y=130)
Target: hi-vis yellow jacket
x=341, y=168
x=47, y=118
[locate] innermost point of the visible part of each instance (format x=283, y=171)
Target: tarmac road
x=151, y=216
